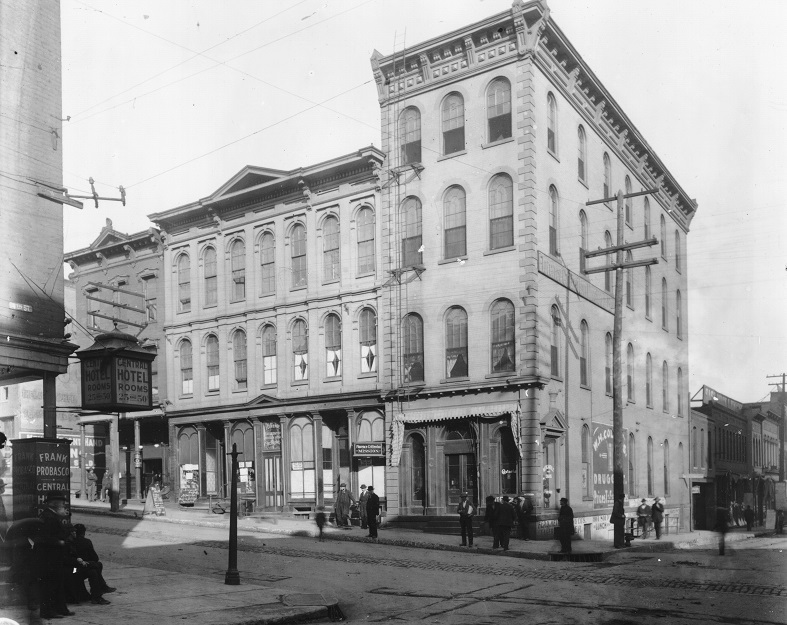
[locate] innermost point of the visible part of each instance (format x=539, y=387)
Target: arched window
x=629, y=290
x=646, y=212
x=365, y=229
x=368, y=336
x=680, y=392
x=503, y=348
x=664, y=386
x=664, y=303
x=501, y=212
x=212, y=361
x=186, y=368
x=455, y=240
x=666, y=468
x=587, y=467
x=627, y=203
x=411, y=239
x=243, y=437
x=267, y=264
x=184, y=283
x=498, y=109
x=663, y=225
x=453, y=124
x=188, y=446
x=551, y=124
x=269, y=365
x=677, y=251
x=608, y=363
x=607, y=176
x=630, y=372
x=300, y=350
x=632, y=474
x=238, y=260
x=608, y=274
x=333, y=346
x=456, y=364
x=302, y=467
x=211, y=276
x=410, y=136
x=648, y=289
x=554, y=207
x=649, y=381
x=371, y=428
x=678, y=316
x=331, y=265
x=413, y=349
x=583, y=234
x=298, y=256
x=239, y=358
x=581, y=154
x=554, y=351
x=584, y=358
x=650, y=467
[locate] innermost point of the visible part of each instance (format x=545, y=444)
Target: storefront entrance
x=461, y=477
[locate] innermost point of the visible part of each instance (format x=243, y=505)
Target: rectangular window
x=555, y=365
x=411, y=254
x=454, y=140
x=501, y=232
x=500, y=126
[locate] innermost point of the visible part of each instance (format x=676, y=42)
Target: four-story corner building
x=272, y=296
x=497, y=348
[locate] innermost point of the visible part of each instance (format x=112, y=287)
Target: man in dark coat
x=362, y=506
x=657, y=512
x=50, y=555
x=489, y=520
x=344, y=500
x=92, y=481
x=618, y=520
x=504, y=521
x=748, y=516
x=89, y=566
x=643, y=512
x=466, y=510
x=722, y=526
x=372, y=510
x=565, y=525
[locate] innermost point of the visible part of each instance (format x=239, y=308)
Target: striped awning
x=445, y=414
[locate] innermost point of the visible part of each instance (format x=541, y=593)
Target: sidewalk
x=533, y=549
x=153, y=597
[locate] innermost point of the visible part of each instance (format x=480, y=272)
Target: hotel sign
x=576, y=283
x=116, y=383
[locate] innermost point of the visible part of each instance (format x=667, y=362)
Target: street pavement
x=153, y=595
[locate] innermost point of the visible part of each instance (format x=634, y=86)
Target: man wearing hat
x=565, y=523
x=505, y=521
x=362, y=499
x=372, y=510
x=466, y=510
x=50, y=554
x=643, y=512
x=341, y=508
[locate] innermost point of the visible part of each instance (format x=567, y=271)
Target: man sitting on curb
x=90, y=567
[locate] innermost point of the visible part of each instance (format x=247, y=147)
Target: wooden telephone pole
x=617, y=373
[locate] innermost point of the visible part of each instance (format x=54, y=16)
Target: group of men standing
x=647, y=514
x=368, y=508
x=499, y=518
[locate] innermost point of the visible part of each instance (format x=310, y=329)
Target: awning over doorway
x=445, y=414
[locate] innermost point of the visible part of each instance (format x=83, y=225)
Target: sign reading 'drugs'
x=368, y=449
x=116, y=384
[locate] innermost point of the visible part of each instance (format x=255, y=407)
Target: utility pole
x=783, y=376
x=617, y=373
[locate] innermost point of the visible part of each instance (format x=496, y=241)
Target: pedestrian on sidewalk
x=344, y=500
x=565, y=523
x=106, y=486
x=618, y=520
x=722, y=526
x=643, y=518
x=466, y=510
x=748, y=516
x=50, y=554
x=364, y=497
x=658, y=516
x=372, y=512
x=504, y=521
x=92, y=480
x=319, y=518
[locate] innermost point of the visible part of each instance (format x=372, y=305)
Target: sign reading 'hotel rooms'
x=116, y=375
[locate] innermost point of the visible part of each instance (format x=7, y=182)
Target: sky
x=172, y=99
